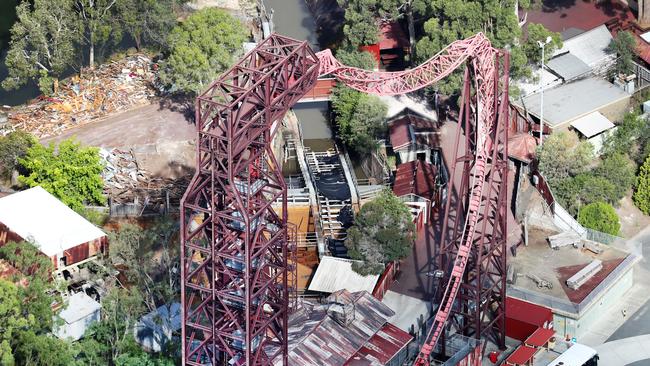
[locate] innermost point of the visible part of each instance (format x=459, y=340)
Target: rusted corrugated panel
x=7, y=235
x=382, y=347
x=76, y=254
x=97, y=246
x=317, y=339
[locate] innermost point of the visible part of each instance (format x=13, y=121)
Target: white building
x=80, y=312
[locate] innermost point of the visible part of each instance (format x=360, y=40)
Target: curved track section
x=482, y=57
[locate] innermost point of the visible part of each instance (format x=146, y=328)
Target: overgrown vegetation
x=359, y=118
x=201, y=48
x=69, y=171
x=13, y=147
x=50, y=35
x=624, y=45
x=383, y=231
x=600, y=216
x=642, y=193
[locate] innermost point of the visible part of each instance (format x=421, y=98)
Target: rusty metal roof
x=405, y=130
x=316, y=338
x=415, y=177
x=382, y=347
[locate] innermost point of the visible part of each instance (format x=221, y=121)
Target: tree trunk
x=91, y=56
x=411, y=26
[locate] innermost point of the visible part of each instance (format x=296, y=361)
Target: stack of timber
x=563, y=239
x=112, y=87
x=584, y=274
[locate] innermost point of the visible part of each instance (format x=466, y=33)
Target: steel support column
x=235, y=289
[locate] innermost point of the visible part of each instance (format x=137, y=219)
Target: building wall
x=406, y=155
x=569, y=327
x=77, y=329
x=614, y=112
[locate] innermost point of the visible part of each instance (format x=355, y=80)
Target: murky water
x=292, y=18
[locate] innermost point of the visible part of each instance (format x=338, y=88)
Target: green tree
x=10, y=320
x=383, y=231
x=359, y=118
x=538, y=33
x=600, y=216
x=156, y=277
x=354, y=58
x=98, y=19
x=29, y=337
x=201, y=48
x=624, y=45
x=112, y=338
x=147, y=21
x=451, y=20
x=13, y=147
x=69, y=171
x=42, y=41
x=563, y=155
x=620, y=171
x=641, y=195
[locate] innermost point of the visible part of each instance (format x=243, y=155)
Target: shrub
x=600, y=216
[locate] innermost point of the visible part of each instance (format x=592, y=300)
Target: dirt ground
x=632, y=219
x=162, y=139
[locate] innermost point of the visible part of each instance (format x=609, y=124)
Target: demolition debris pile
x=112, y=87
x=127, y=184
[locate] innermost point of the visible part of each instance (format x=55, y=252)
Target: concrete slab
x=410, y=313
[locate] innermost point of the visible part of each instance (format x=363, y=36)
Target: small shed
x=334, y=274
x=416, y=185
x=393, y=45
x=412, y=136
x=524, y=318
x=60, y=233
x=81, y=312
x=157, y=328
x=594, y=127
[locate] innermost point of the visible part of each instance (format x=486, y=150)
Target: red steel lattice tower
x=235, y=290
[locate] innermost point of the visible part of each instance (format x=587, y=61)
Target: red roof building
x=382, y=347
x=415, y=183
x=523, y=318
x=522, y=146
x=522, y=356
x=411, y=135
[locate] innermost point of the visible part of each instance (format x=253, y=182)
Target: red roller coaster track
x=235, y=247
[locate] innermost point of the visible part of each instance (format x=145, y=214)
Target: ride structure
x=235, y=246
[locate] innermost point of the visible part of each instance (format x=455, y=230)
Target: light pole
x=541, y=83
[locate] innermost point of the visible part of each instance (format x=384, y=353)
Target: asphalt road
x=639, y=322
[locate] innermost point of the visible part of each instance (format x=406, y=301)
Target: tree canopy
x=383, y=231
x=201, y=48
x=563, y=155
x=600, y=216
x=13, y=147
x=624, y=45
x=70, y=172
x=359, y=118
x=43, y=41
x=641, y=195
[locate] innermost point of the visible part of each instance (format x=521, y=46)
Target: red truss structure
x=235, y=248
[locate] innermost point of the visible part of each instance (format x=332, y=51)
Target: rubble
x=112, y=87
x=125, y=183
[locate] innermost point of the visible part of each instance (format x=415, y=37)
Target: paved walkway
x=626, y=351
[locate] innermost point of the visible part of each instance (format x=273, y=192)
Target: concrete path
x=626, y=351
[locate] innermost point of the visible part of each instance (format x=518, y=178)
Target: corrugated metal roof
x=521, y=356
x=527, y=312
x=592, y=124
x=591, y=47
x=568, y=66
x=402, y=130
x=316, y=338
x=78, y=307
x=333, y=274
x=382, y=347
x=415, y=177
x=540, y=337
x=574, y=100
x=41, y=218
x=522, y=147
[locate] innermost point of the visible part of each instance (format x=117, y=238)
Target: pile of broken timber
x=112, y=87
x=126, y=183
x=571, y=238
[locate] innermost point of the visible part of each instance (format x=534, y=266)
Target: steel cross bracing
x=235, y=249
x=485, y=159
x=234, y=245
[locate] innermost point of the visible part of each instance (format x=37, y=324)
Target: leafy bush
x=563, y=155
x=13, y=147
x=600, y=216
x=70, y=172
x=641, y=195
x=383, y=232
x=359, y=118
